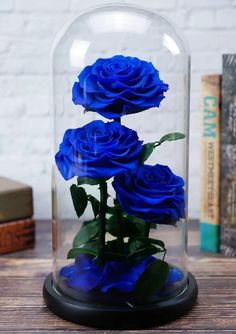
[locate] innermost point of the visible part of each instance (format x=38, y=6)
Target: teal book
x=210, y=163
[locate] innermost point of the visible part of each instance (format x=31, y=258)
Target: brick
x=81, y=6
x=6, y=5
x=4, y=46
x=226, y=40
x=42, y=208
x=193, y=4
x=35, y=126
x=28, y=48
x=206, y=61
x=194, y=196
x=26, y=144
x=195, y=80
x=178, y=17
x=7, y=66
x=47, y=26
x=42, y=5
x=30, y=165
x=12, y=107
x=195, y=105
x=226, y=18
x=26, y=84
x=12, y=24
x=37, y=105
x=202, y=41
x=201, y=19
x=157, y=4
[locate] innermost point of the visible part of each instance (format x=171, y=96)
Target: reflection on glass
x=78, y=51
x=171, y=45
x=118, y=21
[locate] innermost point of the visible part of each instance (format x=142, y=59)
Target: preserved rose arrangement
x=114, y=252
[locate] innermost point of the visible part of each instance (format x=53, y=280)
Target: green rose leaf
x=153, y=226
x=88, y=231
x=89, y=248
x=131, y=226
x=111, y=256
x=147, y=150
x=113, y=209
x=141, y=247
x=128, y=228
x=171, y=136
x=89, y=181
x=140, y=225
x=142, y=253
x=111, y=226
x=157, y=242
x=95, y=205
x=137, y=243
x=134, y=219
x=151, y=279
x=79, y=198
x=112, y=251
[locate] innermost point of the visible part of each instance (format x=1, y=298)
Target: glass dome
x=120, y=177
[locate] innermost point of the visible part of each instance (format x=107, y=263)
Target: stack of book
x=17, y=226
x=218, y=160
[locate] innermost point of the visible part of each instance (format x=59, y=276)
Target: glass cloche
x=120, y=174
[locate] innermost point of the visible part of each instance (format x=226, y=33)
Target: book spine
x=17, y=235
x=210, y=163
x=228, y=153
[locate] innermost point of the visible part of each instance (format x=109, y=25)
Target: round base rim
x=106, y=317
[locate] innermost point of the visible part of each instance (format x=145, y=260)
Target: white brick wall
x=27, y=29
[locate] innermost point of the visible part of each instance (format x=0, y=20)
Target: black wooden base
x=106, y=317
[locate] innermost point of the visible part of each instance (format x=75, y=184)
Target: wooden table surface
x=22, y=309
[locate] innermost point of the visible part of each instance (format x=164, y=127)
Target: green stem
x=119, y=222
x=118, y=120
x=147, y=229
x=102, y=218
x=157, y=144
x=164, y=255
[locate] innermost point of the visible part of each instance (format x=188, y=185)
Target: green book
x=210, y=163
x=16, y=200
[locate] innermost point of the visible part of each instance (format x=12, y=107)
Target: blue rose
x=152, y=193
x=118, y=86
x=121, y=276
x=98, y=150
x=86, y=275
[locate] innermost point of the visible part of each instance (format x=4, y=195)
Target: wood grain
x=17, y=235
x=22, y=309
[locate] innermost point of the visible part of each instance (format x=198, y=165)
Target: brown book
x=17, y=235
x=15, y=200
x=210, y=163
